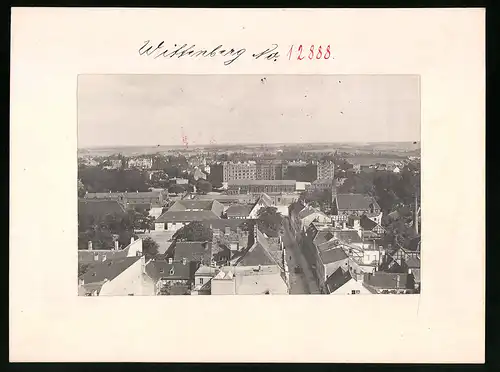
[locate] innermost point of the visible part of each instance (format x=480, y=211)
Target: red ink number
x=320, y=53
x=300, y=58
x=311, y=52
x=327, y=53
x=290, y=53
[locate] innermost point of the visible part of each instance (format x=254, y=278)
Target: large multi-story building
x=260, y=186
x=269, y=170
x=239, y=171
x=325, y=170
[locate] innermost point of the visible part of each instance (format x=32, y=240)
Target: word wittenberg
x=320, y=52
x=158, y=50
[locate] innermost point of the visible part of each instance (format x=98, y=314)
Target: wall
x=206, y=278
x=155, y=212
x=131, y=281
x=347, y=288
x=134, y=247
x=223, y=286
x=174, y=226
x=159, y=226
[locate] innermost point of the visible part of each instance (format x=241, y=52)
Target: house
x=371, y=229
x=182, y=212
x=345, y=282
x=308, y=215
x=248, y=280
x=116, y=277
x=231, y=233
x=90, y=255
x=191, y=251
x=264, y=201
x=293, y=212
x=202, y=280
x=198, y=174
x=238, y=211
x=389, y=283
x=357, y=204
x=97, y=209
x=264, y=251
x=172, y=278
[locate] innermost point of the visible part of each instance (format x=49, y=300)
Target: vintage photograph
x=248, y=185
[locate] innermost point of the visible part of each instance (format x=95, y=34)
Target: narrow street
x=300, y=283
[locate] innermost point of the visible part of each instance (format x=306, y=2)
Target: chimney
x=184, y=261
x=131, y=240
x=116, y=245
x=90, y=245
x=170, y=260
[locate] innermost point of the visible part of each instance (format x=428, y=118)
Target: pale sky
x=150, y=110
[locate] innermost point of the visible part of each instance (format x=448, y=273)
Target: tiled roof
x=347, y=236
x=355, y=202
x=296, y=208
x=413, y=262
x=383, y=280
x=222, y=223
x=183, y=205
x=366, y=223
x=332, y=255
x=99, y=208
x=140, y=195
x=109, y=269
x=182, y=216
x=260, y=182
x=88, y=256
x=159, y=269
x=193, y=251
x=337, y=280
x=306, y=212
x=239, y=210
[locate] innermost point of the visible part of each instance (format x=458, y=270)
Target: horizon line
x=245, y=144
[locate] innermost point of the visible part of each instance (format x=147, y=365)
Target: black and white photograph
x=248, y=184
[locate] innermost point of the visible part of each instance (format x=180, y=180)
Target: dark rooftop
x=109, y=269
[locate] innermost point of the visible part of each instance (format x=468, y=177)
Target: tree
x=176, y=189
x=204, y=186
x=269, y=220
x=194, y=232
x=149, y=247
x=81, y=189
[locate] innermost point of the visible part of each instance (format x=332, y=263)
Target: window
x=201, y=280
x=353, y=292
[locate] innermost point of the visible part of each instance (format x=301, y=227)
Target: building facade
x=239, y=171
x=325, y=170
x=260, y=186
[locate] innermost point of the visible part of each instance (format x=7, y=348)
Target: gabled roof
x=109, y=269
x=222, y=223
x=160, y=269
x=383, y=280
x=413, y=262
x=256, y=255
x=239, y=210
x=193, y=251
x=355, y=202
x=332, y=255
x=86, y=256
x=337, y=280
x=307, y=211
x=183, y=205
x=347, y=236
x=367, y=224
x=295, y=208
x=99, y=208
x=182, y=216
